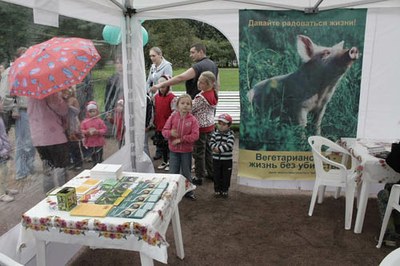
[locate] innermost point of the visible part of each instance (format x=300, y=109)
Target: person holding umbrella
x=41, y=73
x=47, y=119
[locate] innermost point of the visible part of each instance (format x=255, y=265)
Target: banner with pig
x=300, y=75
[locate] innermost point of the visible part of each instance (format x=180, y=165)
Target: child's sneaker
x=11, y=191
x=162, y=166
x=217, y=194
x=166, y=168
x=6, y=198
x=190, y=196
x=224, y=195
x=197, y=181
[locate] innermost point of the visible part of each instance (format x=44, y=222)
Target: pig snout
x=354, y=53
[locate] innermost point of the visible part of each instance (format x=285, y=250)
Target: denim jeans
x=181, y=163
x=24, y=150
x=3, y=177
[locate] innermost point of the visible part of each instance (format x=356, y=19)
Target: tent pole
x=119, y=5
x=130, y=101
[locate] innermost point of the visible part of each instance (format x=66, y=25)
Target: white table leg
x=176, y=226
x=362, y=206
x=146, y=260
x=41, y=252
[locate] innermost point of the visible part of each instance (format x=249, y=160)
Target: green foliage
x=99, y=79
x=13, y=29
x=176, y=47
x=267, y=52
x=17, y=29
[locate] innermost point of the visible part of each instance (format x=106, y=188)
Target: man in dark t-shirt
x=203, y=63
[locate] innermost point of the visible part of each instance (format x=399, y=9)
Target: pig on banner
x=308, y=90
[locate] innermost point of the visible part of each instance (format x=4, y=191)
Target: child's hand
x=109, y=117
x=174, y=133
x=176, y=141
x=215, y=150
x=92, y=131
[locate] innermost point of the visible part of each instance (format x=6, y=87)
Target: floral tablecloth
x=371, y=167
x=145, y=235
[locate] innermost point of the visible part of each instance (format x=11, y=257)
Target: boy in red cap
x=221, y=143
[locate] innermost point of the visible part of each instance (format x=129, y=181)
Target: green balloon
x=112, y=34
x=145, y=36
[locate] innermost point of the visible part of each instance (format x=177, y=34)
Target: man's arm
x=188, y=74
x=217, y=84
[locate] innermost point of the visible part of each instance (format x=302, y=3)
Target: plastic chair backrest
x=319, y=145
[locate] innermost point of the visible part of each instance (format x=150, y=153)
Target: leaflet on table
x=93, y=210
x=375, y=146
x=141, y=200
x=120, y=190
x=98, y=189
x=128, y=197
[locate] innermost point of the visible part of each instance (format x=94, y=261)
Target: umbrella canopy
x=52, y=66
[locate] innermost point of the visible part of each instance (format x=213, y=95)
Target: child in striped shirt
x=221, y=143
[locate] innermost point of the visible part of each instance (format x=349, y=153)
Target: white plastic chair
x=331, y=173
x=393, y=203
x=392, y=259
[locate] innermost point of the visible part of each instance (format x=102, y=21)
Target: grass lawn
x=229, y=78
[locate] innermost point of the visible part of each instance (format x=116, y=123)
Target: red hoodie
x=162, y=109
x=188, y=131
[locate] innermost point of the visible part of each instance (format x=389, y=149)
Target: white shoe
x=166, y=168
x=6, y=198
x=162, y=165
x=11, y=191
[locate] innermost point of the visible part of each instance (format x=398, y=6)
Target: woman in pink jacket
x=46, y=120
x=182, y=130
x=93, y=128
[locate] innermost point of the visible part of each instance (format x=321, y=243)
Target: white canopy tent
x=379, y=95
x=223, y=15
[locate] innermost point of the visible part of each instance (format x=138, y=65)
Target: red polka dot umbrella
x=52, y=66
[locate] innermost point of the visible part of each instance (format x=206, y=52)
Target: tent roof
x=109, y=11
x=221, y=14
